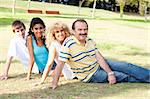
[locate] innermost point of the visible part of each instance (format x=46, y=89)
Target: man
x=88, y=64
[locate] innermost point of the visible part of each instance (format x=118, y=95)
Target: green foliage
x=6, y=21
x=142, y=5
x=2, y=9
x=132, y=2
x=88, y=2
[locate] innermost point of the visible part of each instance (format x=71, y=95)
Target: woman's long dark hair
x=35, y=21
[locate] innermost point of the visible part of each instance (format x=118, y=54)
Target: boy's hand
x=3, y=77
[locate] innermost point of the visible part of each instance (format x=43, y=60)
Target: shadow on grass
x=23, y=75
x=137, y=53
x=79, y=90
x=129, y=20
x=135, y=20
x=9, y=10
x=71, y=90
x=17, y=76
x=71, y=16
x=74, y=16
x=8, y=21
x=14, y=61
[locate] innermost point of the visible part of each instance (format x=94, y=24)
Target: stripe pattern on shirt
x=80, y=58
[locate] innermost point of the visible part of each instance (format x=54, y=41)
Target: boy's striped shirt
x=81, y=59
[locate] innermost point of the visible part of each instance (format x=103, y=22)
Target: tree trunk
x=122, y=4
x=28, y=7
x=13, y=7
x=93, y=11
x=145, y=14
x=80, y=5
x=141, y=7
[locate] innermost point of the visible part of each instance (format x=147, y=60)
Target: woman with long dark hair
x=36, y=45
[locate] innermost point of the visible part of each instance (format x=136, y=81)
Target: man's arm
x=57, y=74
x=6, y=68
x=105, y=66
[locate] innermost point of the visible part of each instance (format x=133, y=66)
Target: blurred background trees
x=141, y=7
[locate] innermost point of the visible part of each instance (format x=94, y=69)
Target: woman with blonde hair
x=56, y=36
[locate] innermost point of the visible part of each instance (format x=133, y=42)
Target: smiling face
x=38, y=30
x=59, y=34
x=81, y=31
x=58, y=31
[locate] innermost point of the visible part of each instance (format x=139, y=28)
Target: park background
x=121, y=39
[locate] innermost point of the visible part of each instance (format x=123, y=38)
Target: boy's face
x=19, y=30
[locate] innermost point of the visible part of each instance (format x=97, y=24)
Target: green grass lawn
x=118, y=39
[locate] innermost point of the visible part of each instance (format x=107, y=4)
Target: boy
x=17, y=48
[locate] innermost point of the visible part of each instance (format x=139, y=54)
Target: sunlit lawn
x=118, y=39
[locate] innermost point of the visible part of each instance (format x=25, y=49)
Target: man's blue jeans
x=124, y=72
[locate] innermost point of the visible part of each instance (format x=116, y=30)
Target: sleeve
x=12, y=49
x=52, y=46
x=64, y=54
x=96, y=48
x=95, y=45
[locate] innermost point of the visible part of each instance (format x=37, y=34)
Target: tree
x=28, y=6
x=121, y=4
x=143, y=4
x=80, y=5
x=93, y=11
x=13, y=7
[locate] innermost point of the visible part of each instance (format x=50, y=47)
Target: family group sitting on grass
x=74, y=55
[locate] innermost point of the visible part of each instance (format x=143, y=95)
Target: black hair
x=18, y=23
x=35, y=21
x=78, y=20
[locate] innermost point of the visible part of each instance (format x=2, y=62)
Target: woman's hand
x=28, y=77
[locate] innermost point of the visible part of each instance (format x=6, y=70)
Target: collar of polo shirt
x=78, y=42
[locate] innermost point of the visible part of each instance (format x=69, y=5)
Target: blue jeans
x=124, y=72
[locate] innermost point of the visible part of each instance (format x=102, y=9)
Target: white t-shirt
x=68, y=74
x=18, y=49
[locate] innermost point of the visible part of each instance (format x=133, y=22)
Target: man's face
x=81, y=31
